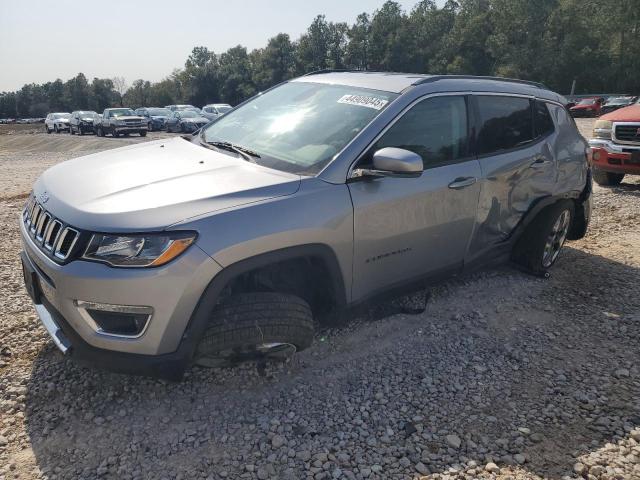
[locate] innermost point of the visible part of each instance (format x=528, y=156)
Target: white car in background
x=215, y=110
x=57, y=122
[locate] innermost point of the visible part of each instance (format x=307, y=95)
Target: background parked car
x=186, y=121
x=118, y=121
x=156, y=117
x=57, y=122
x=614, y=103
x=215, y=110
x=81, y=121
x=587, y=107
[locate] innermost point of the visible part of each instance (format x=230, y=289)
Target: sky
x=44, y=40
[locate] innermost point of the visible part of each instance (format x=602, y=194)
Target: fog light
x=117, y=320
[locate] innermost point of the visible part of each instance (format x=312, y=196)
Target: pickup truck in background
x=615, y=146
x=120, y=121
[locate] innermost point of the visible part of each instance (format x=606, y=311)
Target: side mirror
x=393, y=162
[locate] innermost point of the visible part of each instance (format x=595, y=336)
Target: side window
x=542, y=119
x=505, y=123
x=435, y=129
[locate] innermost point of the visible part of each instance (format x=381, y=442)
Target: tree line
x=594, y=42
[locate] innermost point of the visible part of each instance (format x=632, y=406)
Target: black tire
x=80, y=131
x=56, y=129
x=48, y=130
x=99, y=132
x=532, y=248
x=70, y=130
x=607, y=179
x=114, y=133
x=244, y=321
x=143, y=133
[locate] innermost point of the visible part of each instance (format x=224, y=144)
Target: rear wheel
x=256, y=327
x=115, y=133
x=607, y=179
x=143, y=133
x=539, y=246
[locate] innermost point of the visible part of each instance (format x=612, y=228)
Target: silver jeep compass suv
x=313, y=196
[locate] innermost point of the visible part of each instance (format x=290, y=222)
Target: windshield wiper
x=247, y=153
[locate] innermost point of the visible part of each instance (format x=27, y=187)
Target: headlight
x=602, y=129
x=150, y=250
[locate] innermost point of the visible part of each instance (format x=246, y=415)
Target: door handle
x=540, y=162
x=462, y=182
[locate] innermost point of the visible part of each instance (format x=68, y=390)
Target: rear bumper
x=613, y=157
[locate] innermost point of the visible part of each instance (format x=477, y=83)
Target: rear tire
x=241, y=327
x=143, y=133
x=115, y=134
x=607, y=179
x=538, y=248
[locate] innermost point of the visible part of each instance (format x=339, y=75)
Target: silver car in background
x=313, y=197
x=215, y=110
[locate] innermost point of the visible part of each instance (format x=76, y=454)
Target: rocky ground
x=504, y=376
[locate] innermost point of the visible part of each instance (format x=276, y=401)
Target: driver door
x=409, y=228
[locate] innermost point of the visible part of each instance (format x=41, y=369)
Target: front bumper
x=130, y=128
x=173, y=291
x=613, y=157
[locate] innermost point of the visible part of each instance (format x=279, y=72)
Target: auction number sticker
x=364, y=101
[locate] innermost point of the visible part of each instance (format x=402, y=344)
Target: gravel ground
x=504, y=376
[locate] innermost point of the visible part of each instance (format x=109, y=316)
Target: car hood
x=153, y=185
x=159, y=117
x=626, y=114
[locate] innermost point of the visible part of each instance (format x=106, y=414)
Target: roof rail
x=330, y=70
x=433, y=78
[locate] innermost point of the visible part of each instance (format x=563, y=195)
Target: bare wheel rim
x=276, y=351
x=556, y=239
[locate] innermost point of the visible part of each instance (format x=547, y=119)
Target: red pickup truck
x=615, y=146
x=587, y=107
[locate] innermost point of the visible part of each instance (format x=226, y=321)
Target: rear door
x=518, y=165
x=408, y=228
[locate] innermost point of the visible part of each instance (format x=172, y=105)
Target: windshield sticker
x=364, y=101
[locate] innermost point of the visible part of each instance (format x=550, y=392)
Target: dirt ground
x=504, y=375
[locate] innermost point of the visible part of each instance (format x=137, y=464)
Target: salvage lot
x=504, y=375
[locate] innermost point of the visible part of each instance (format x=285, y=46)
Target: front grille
x=50, y=234
x=133, y=122
x=629, y=133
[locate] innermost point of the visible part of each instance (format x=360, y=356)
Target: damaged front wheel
x=260, y=327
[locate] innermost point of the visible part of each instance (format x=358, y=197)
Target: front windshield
x=188, y=114
x=223, y=108
x=62, y=115
x=299, y=126
x=120, y=112
x=587, y=101
x=87, y=113
x=159, y=112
